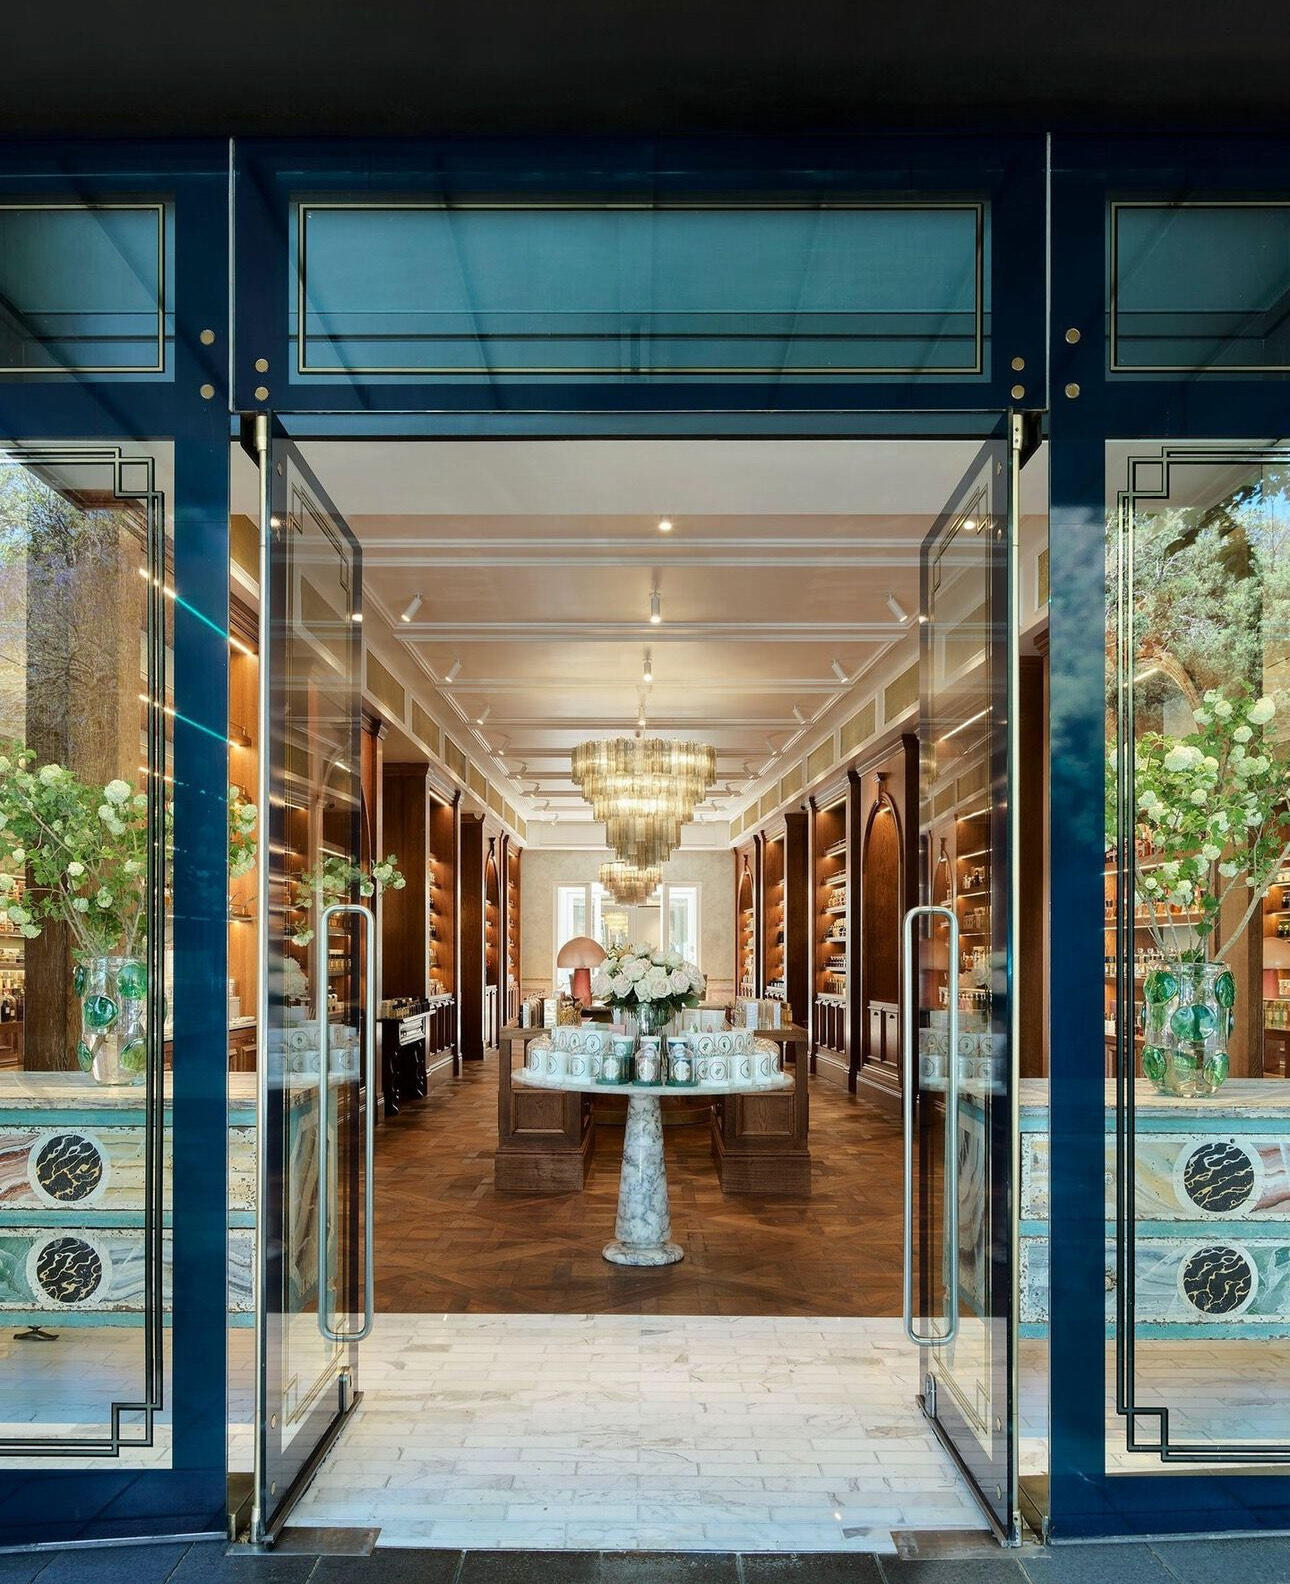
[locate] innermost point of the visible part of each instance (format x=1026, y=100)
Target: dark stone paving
x=1201, y=1561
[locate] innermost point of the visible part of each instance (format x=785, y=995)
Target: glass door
x=316, y=1002
x=959, y=1050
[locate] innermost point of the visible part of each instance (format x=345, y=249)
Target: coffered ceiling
x=780, y=587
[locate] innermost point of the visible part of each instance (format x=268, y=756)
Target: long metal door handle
x=367, y=1014
x=908, y=1050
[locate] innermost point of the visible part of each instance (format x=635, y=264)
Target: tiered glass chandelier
x=644, y=789
x=628, y=884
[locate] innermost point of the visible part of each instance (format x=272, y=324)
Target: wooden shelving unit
x=512, y=912
x=774, y=927
x=243, y=772
x=831, y=847
x=745, y=924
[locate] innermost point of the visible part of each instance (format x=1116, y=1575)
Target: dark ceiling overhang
x=596, y=66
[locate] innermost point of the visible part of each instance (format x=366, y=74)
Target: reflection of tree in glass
x=69, y=659
x=1212, y=593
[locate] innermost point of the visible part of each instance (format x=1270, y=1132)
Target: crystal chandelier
x=626, y=883
x=644, y=789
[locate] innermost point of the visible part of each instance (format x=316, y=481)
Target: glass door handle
x=909, y=1059
x=367, y=1013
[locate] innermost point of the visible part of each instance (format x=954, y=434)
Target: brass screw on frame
x=207, y=391
x=1072, y=390
x=1018, y=391
x=207, y=337
x=261, y=393
x=1072, y=336
x=1018, y=364
x=261, y=365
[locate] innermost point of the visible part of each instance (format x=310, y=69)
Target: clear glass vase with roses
x=648, y=984
x=1209, y=822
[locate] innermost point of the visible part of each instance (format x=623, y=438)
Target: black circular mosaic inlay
x=1217, y=1280
x=1219, y=1177
x=69, y=1270
x=69, y=1167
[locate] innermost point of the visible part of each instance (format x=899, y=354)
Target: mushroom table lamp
x=582, y=954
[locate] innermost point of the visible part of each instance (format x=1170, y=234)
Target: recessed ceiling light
x=411, y=608
x=453, y=671
x=665, y=525
x=897, y=609
x=839, y=671
x=655, y=607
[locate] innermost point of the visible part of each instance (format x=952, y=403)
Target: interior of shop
x=519, y=601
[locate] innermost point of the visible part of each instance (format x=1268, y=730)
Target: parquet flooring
x=448, y=1242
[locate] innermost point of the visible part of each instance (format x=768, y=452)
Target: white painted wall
x=544, y=868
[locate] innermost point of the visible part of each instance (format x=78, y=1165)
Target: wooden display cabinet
x=478, y=938
x=1274, y=962
x=746, y=985
x=243, y=773
x=774, y=918
x=511, y=914
x=831, y=910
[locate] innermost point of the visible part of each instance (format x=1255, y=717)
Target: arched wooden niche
x=881, y=893
x=492, y=914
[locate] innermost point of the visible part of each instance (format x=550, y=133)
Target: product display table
x=643, y=1226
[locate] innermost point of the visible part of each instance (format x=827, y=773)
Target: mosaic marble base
x=626, y=1254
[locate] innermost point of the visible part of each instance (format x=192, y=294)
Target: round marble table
x=643, y=1225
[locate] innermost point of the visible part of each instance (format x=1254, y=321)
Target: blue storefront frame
x=1090, y=407
x=1049, y=276
x=47, y=1505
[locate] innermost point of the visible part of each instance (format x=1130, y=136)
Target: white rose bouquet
x=1211, y=811
x=635, y=977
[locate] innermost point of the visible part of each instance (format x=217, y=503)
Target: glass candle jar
x=648, y=1063
x=680, y=1063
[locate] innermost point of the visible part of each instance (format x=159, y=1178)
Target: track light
x=665, y=525
x=897, y=610
x=411, y=608
x=481, y=718
x=798, y=716
x=453, y=671
x=839, y=671
x=357, y=618
x=655, y=607
x=648, y=672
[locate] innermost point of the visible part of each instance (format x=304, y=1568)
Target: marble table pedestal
x=643, y=1226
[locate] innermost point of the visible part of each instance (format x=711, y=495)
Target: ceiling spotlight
x=481, y=718
x=411, y=608
x=453, y=671
x=357, y=618
x=897, y=609
x=648, y=672
x=665, y=525
x=798, y=716
x=655, y=607
x=839, y=671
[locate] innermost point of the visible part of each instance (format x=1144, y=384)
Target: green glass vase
x=1186, y=1024
x=113, y=993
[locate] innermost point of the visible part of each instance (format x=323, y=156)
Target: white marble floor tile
x=638, y=1432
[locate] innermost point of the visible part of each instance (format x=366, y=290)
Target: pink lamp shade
x=582, y=954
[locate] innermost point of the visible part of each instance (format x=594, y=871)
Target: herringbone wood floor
x=448, y=1242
